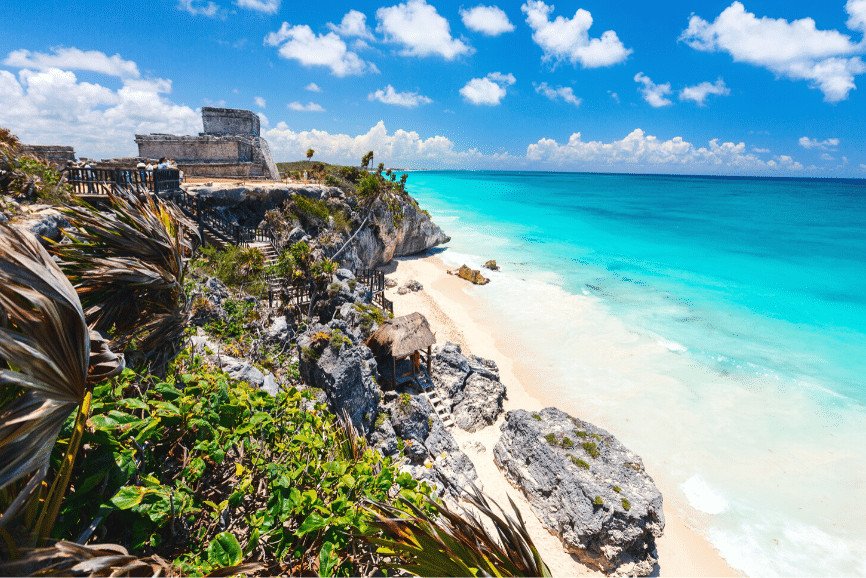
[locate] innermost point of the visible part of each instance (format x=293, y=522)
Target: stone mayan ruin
x=55, y=155
x=230, y=146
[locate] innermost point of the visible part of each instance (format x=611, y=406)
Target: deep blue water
x=747, y=274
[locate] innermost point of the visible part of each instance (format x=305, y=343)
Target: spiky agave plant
x=49, y=361
x=127, y=265
x=449, y=542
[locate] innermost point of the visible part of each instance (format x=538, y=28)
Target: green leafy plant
x=591, y=448
x=579, y=462
x=626, y=505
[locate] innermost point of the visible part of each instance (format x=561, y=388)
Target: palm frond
x=45, y=349
x=70, y=559
x=127, y=265
x=452, y=542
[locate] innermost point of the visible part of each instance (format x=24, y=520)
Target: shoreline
x=453, y=314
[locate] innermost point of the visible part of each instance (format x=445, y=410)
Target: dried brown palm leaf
x=449, y=542
x=70, y=559
x=45, y=349
x=127, y=265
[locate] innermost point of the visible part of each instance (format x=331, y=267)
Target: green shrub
x=579, y=462
x=591, y=448
x=617, y=489
x=311, y=212
x=338, y=339
x=567, y=443
x=169, y=464
x=370, y=315
x=551, y=439
x=238, y=315
x=237, y=267
x=598, y=502
x=626, y=505
x=536, y=416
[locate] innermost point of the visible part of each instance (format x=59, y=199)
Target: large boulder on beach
x=585, y=487
x=474, y=276
x=470, y=385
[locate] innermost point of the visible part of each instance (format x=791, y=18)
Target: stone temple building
x=230, y=146
x=56, y=155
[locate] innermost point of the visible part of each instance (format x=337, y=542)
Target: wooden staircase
x=439, y=406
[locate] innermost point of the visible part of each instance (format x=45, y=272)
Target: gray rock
x=585, y=487
x=481, y=403
x=344, y=274
x=345, y=374
x=207, y=301
x=46, y=222
x=410, y=287
x=245, y=371
x=279, y=330
x=390, y=283
x=470, y=384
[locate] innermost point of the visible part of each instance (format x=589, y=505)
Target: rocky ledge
x=585, y=487
x=470, y=385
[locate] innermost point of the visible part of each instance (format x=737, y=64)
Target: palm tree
x=127, y=265
x=310, y=153
x=49, y=362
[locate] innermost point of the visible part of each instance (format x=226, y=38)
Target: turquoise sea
x=717, y=325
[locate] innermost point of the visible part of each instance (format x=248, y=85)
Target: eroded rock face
x=411, y=286
x=470, y=384
x=586, y=487
x=44, y=221
x=431, y=452
x=344, y=372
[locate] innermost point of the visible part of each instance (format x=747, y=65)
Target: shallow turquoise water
x=718, y=264
x=756, y=288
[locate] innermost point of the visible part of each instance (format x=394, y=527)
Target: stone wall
x=56, y=155
x=230, y=142
x=230, y=121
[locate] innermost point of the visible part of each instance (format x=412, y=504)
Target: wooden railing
x=102, y=181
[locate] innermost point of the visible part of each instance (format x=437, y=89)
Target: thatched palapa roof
x=402, y=336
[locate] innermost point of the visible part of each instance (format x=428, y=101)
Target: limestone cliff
x=396, y=228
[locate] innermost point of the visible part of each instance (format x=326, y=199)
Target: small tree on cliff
x=370, y=188
x=367, y=160
x=310, y=153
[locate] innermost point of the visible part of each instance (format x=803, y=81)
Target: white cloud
x=760, y=151
x=264, y=6
x=260, y=102
x=74, y=59
x=798, y=50
x=400, y=148
x=389, y=95
x=487, y=91
x=857, y=14
x=309, y=107
x=827, y=157
x=313, y=87
x=614, y=96
x=655, y=94
x=813, y=143
x=863, y=167
x=699, y=93
x=354, y=24
x=640, y=151
x=419, y=28
x=199, y=7
x=310, y=49
x=489, y=20
x=52, y=106
x=568, y=38
x=563, y=93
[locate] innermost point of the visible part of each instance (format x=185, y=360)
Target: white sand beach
x=453, y=313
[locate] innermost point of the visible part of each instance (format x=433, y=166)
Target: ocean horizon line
x=854, y=180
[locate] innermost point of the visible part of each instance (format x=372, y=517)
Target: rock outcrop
x=491, y=264
x=474, y=276
x=411, y=286
x=585, y=487
x=470, y=384
x=383, y=238
x=332, y=359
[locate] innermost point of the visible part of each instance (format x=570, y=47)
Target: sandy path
x=453, y=317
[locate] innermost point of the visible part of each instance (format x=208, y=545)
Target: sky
x=749, y=87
